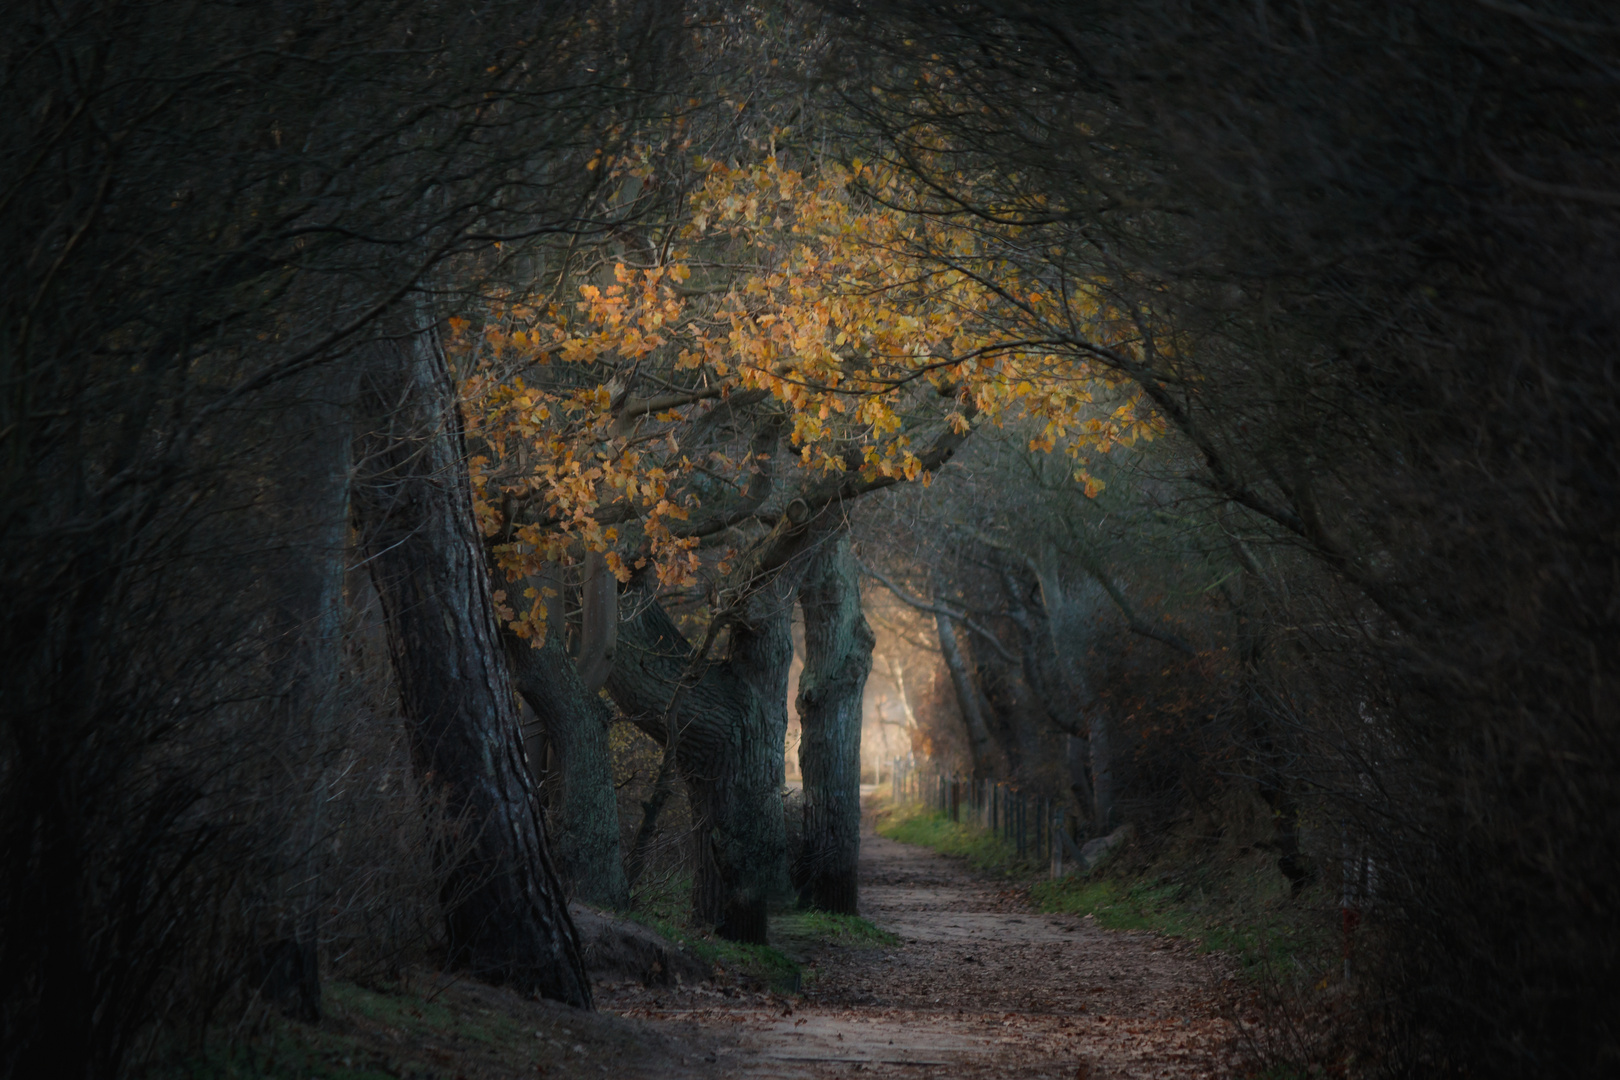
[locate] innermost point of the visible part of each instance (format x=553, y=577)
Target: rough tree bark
x=598, y=622
x=838, y=657
x=980, y=745
x=729, y=723
x=1074, y=753
x=574, y=723
x=1102, y=769
x=730, y=718
x=505, y=915
x=1064, y=622
x=1036, y=654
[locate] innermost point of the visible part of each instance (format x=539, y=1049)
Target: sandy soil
x=982, y=986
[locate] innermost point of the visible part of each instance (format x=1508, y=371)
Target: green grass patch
x=1248, y=918
x=764, y=964
x=984, y=850
x=825, y=928
x=666, y=908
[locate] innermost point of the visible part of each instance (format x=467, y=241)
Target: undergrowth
x=667, y=909
x=422, y=1026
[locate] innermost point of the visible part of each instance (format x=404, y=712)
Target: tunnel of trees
x=434, y=439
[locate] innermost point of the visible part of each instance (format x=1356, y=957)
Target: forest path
x=981, y=986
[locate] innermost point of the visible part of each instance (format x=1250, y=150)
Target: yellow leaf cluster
x=855, y=317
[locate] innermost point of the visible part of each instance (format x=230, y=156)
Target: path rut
x=981, y=986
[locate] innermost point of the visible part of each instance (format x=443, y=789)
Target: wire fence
x=1032, y=823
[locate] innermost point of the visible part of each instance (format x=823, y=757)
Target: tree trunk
x=598, y=622
x=1066, y=624
x=574, y=723
x=1102, y=770
x=729, y=723
x=1079, y=777
x=838, y=657
x=980, y=745
x=1046, y=673
x=307, y=605
x=897, y=674
x=1037, y=653
x=505, y=915
x=1012, y=715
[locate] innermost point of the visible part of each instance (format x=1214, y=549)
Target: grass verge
x=1245, y=918
x=986, y=852
x=666, y=908
x=776, y=966
x=1235, y=903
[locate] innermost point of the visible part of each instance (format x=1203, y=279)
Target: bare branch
x=1133, y=621
x=937, y=608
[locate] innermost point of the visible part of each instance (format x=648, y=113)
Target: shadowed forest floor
x=967, y=981
x=980, y=985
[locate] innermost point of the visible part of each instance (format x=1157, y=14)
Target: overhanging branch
x=936, y=608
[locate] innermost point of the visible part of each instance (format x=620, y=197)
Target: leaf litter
x=981, y=985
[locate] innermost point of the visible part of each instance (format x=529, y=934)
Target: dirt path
x=982, y=986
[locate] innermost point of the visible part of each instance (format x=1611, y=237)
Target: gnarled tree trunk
x=574, y=723
x=838, y=657
x=504, y=911
x=729, y=721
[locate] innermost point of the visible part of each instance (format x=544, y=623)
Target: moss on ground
x=666, y=908
x=778, y=966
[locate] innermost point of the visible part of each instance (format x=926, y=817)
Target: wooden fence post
x=1057, y=848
